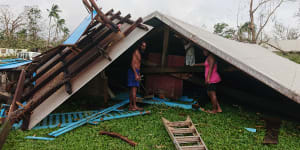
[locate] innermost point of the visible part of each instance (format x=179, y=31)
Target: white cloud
x=197, y=12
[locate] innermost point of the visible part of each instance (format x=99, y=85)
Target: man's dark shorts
x=131, y=78
x=211, y=87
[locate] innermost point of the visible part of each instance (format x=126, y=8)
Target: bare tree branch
x=268, y=18
x=260, y=4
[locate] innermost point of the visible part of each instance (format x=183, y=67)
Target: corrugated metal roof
x=275, y=71
x=12, y=63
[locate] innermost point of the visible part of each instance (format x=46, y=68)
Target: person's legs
x=134, y=99
x=131, y=99
x=215, y=104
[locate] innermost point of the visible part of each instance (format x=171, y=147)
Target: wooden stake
x=113, y=134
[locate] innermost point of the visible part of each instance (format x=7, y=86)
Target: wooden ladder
x=184, y=135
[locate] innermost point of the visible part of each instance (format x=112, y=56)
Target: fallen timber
x=113, y=134
x=61, y=65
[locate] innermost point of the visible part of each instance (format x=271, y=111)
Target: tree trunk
x=49, y=32
x=252, y=22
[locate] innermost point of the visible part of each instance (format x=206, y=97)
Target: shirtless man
x=134, y=76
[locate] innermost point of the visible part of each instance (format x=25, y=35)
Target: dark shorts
x=211, y=87
x=131, y=78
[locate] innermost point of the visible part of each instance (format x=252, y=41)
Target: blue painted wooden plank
x=45, y=121
x=171, y=104
x=14, y=65
x=75, y=118
x=80, y=115
x=2, y=113
x=18, y=125
x=69, y=118
x=63, y=118
x=185, y=99
x=50, y=120
x=74, y=37
x=86, y=114
x=130, y=114
x=84, y=121
x=57, y=122
x=39, y=138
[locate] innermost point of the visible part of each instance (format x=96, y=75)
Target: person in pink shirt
x=212, y=78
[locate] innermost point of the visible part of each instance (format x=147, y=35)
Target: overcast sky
x=201, y=13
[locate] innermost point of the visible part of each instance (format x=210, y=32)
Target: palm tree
x=53, y=13
x=66, y=32
x=60, y=23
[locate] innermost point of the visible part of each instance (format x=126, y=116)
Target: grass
x=222, y=131
x=291, y=56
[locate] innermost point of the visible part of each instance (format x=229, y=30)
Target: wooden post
x=165, y=47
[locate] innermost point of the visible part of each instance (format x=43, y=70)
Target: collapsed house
x=106, y=41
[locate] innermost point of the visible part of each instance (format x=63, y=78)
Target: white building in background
x=27, y=55
x=6, y=52
x=20, y=53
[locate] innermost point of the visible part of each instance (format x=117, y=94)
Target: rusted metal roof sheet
x=275, y=71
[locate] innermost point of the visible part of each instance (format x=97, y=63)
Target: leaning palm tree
x=53, y=13
x=66, y=32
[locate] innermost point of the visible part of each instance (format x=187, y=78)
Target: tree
x=10, y=25
x=66, y=32
x=224, y=30
x=33, y=17
x=282, y=32
x=267, y=10
x=53, y=13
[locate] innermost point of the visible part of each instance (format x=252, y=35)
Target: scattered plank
x=39, y=138
x=113, y=134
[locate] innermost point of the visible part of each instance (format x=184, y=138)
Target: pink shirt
x=215, y=77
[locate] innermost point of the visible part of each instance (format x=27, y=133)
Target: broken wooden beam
x=133, y=26
x=18, y=92
x=103, y=19
x=184, y=69
x=131, y=22
x=117, y=135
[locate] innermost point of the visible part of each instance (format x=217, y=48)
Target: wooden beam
x=18, y=92
x=165, y=46
x=185, y=69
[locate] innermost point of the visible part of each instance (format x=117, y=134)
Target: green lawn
x=221, y=131
x=292, y=56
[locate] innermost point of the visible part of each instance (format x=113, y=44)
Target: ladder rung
x=182, y=130
x=196, y=147
x=188, y=139
x=179, y=124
